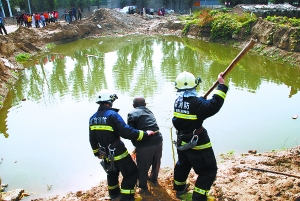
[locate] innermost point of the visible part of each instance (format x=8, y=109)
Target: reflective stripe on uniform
x=201, y=191
x=185, y=116
x=220, y=93
x=101, y=127
x=199, y=147
x=178, y=183
x=113, y=187
x=128, y=192
x=116, y=158
x=141, y=134
x=95, y=151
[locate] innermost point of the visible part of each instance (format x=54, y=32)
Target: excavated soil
x=235, y=179
x=252, y=176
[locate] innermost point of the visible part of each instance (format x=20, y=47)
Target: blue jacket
x=106, y=127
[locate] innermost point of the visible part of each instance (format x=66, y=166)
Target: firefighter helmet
x=106, y=96
x=186, y=80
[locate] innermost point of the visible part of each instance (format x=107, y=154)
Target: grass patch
x=228, y=155
x=50, y=45
x=23, y=57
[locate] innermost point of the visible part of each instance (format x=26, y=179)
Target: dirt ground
x=235, y=179
x=251, y=176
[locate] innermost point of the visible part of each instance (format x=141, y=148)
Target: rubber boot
x=210, y=198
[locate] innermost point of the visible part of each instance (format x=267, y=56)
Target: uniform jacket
x=106, y=126
x=195, y=110
x=142, y=118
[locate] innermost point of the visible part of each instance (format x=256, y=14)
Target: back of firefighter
x=194, y=148
x=106, y=127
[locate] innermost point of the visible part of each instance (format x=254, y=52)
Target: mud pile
x=262, y=10
x=235, y=180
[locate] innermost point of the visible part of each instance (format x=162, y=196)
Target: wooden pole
x=270, y=171
x=233, y=63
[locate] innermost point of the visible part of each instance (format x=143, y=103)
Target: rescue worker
x=194, y=148
x=106, y=127
x=148, y=152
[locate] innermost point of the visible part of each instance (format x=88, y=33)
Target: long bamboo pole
x=233, y=63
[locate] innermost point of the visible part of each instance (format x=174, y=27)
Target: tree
x=166, y=2
x=174, y=4
x=190, y=3
x=123, y=3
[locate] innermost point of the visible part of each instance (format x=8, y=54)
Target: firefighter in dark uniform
x=106, y=127
x=194, y=148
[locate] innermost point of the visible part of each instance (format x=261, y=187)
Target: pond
x=44, y=138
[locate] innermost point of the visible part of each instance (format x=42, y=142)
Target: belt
x=195, y=132
x=114, y=144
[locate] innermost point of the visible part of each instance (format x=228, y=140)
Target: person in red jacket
x=37, y=20
x=55, y=15
x=46, y=17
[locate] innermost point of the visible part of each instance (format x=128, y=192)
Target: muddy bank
x=268, y=176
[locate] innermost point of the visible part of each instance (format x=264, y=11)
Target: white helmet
x=106, y=96
x=186, y=80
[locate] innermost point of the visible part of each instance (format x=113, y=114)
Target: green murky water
x=44, y=140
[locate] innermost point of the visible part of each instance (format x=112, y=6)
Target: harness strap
x=115, y=143
x=195, y=132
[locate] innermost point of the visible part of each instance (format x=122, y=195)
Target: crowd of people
x=37, y=20
x=72, y=15
x=194, y=149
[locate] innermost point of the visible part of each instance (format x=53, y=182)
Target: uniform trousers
x=205, y=166
x=146, y=157
x=129, y=171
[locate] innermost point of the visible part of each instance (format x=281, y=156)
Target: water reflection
x=60, y=86
x=137, y=61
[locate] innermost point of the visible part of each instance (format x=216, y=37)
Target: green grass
x=23, y=57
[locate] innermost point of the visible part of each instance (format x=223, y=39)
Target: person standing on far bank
x=2, y=26
x=79, y=14
x=106, y=127
x=194, y=148
x=148, y=152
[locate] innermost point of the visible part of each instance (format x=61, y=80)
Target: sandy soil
x=247, y=177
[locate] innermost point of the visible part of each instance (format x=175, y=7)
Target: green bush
x=284, y=21
x=225, y=24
